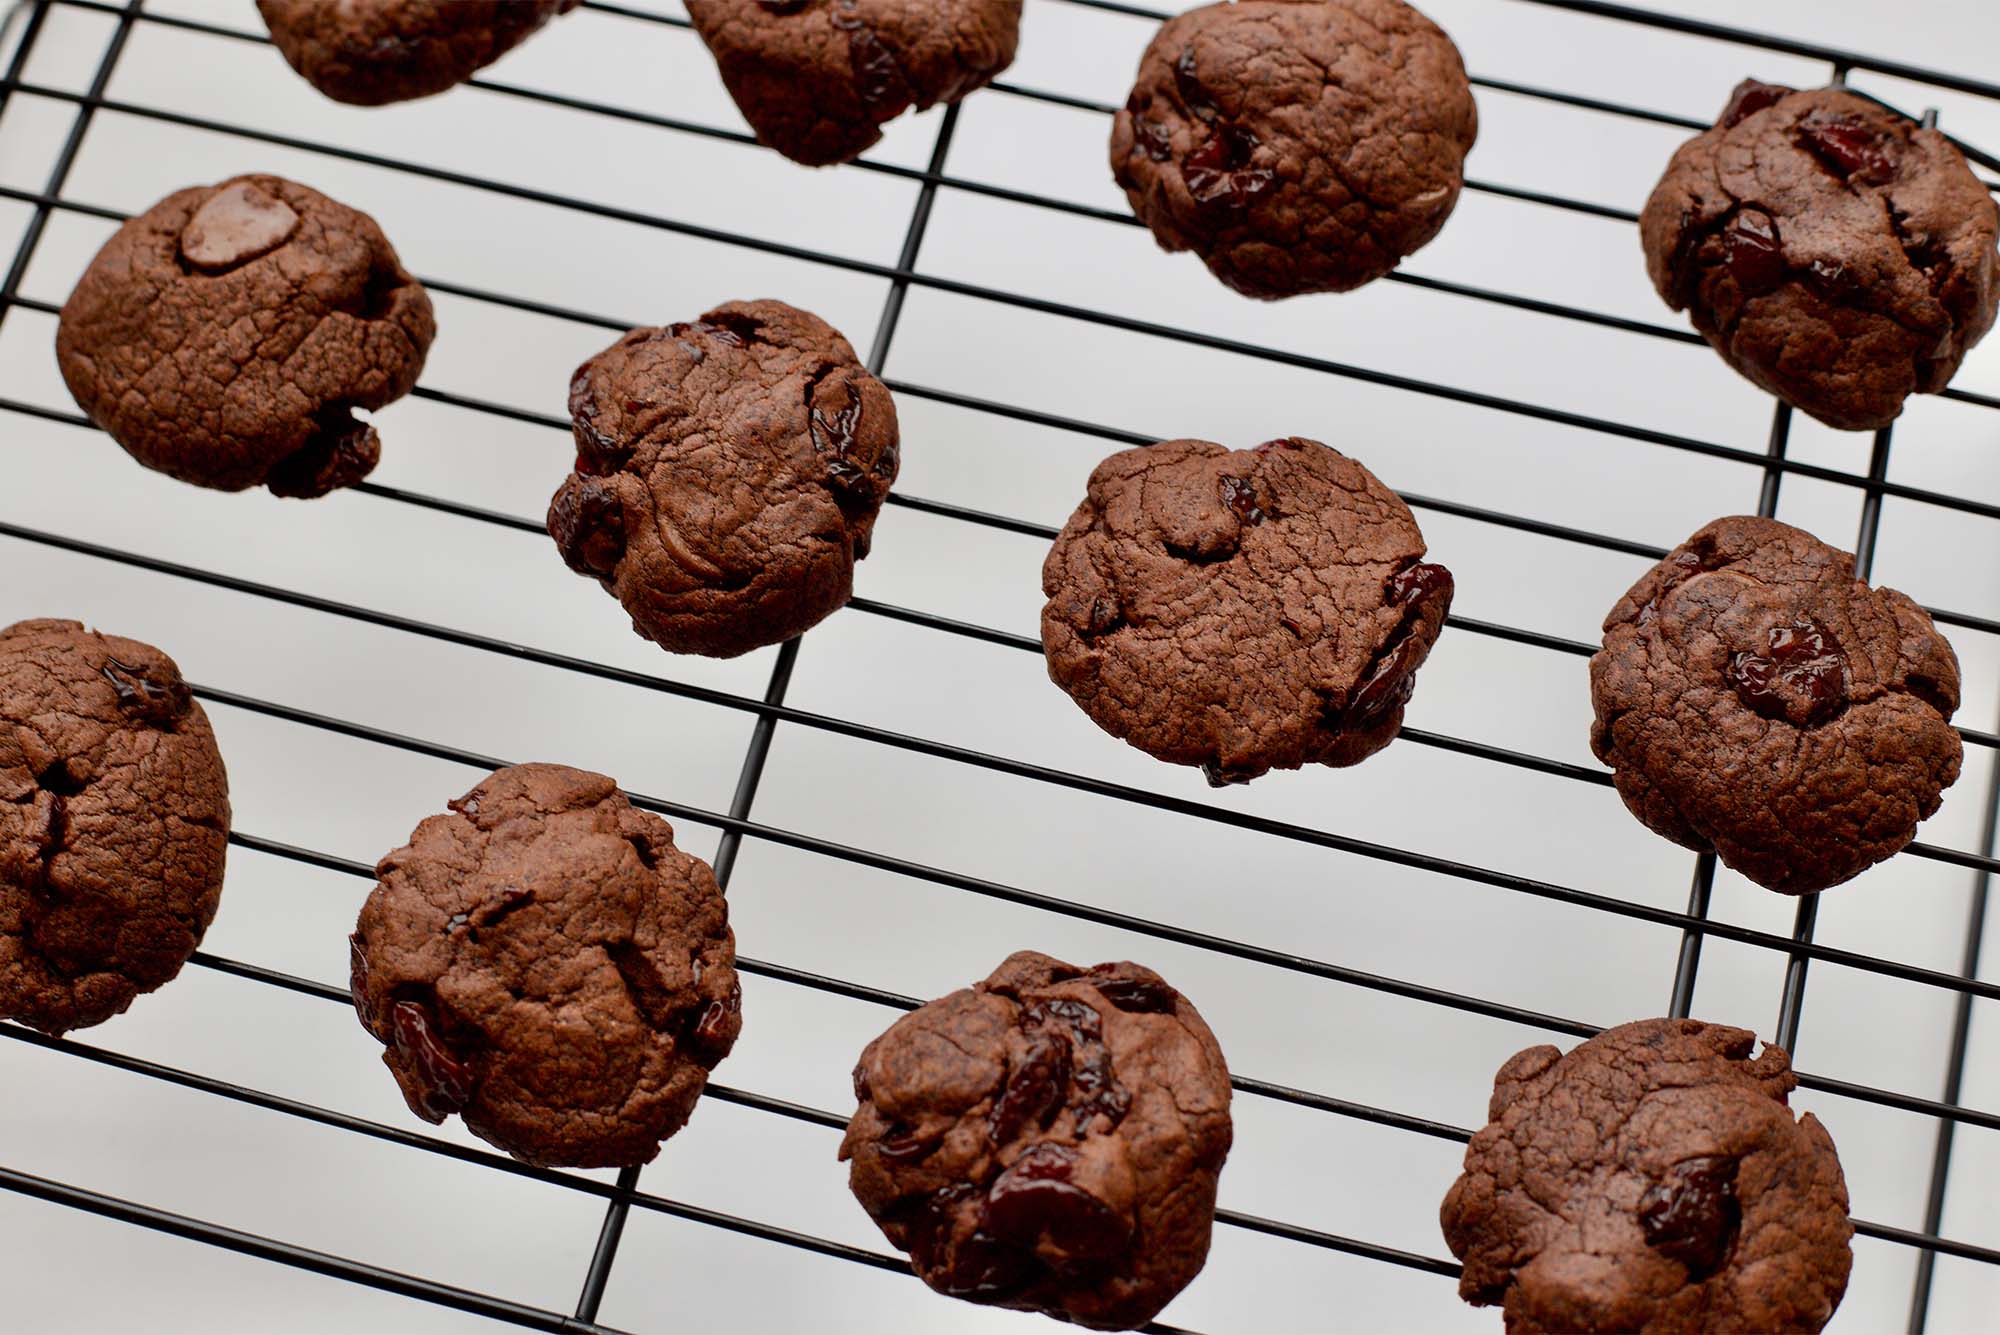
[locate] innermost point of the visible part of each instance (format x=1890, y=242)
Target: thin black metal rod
x=1687, y=966
x=38, y=221
x=1129, y=922
x=1792, y=998
x=881, y=997
x=37, y=14
x=302, y=1258
x=971, y=290
x=1790, y=46
x=1954, y=1079
x=752, y=772
x=1322, y=838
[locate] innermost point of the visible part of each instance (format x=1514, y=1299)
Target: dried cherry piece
x=1750, y=98
x=1034, y=1205
x=1142, y=995
x=1241, y=496
x=1849, y=146
x=1189, y=83
x=156, y=702
x=341, y=451
x=587, y=521
x=1802, y=676
x=445, y=1080
x=876, y=74
x=1413, y=584
x=1753, y=253
x=1219, y=174
x=1097, y=1087
x=1692, y=1214
x=1033, y=1093
x=979, y=1269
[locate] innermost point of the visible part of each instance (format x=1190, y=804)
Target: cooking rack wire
x=1773, y=466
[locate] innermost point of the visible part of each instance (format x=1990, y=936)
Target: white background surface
x=193, y=1152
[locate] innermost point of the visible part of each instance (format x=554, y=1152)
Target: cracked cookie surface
x=1296, y=145
x=1833, y=252
x=728, y=475
x=1651, y=1180
x=1047, y=1140
x=545, y=963
x=1241, y=610
x=369, y=52
x=1754, y=697
x=225, y=336
x=817, y=79
x=114, y=823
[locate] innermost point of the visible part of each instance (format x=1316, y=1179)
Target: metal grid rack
x=737, y=824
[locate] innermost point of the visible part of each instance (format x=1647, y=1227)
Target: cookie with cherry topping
x=817, y=79
x=1296, y=145
x=1651, y=1180
x=545, y=963
x=1047, y=1140
x=1242, y=610
x=227, y=335
x=1834, y=252
x=114, y=822
x=728, y=474
x=1755, y=698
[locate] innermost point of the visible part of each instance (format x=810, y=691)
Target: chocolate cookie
x=728, y=474
x=817, y=79
x=373, y=51
x=1651, y=1180
x=1755, y=698
x=1296, y=145
x=225, y=336
x=114, y=818
x=546, y=964
x=1241, y=610
x=1047, y=1140
x=1830, y=250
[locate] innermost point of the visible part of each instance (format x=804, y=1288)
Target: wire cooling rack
x=1534, y=901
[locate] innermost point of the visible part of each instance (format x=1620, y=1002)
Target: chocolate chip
x=1750, y=98
x=1753, y=252
x=1141, y=995
x=161, y=703
x=340, y=452
x=1849, y=146
x=238, y=223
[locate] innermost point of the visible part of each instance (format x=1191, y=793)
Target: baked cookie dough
x=728, y=474
x=1651, y=1180
x=1047, y=1140
x=545, y=963
x=1832, y=251
x=1296, y=145
x=370, y=52
x=1754, y=697
x=817, y=79
x=114, y=821
x=226, y=335
x=1241, y=610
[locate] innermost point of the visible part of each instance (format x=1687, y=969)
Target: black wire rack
x=1774, y=464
